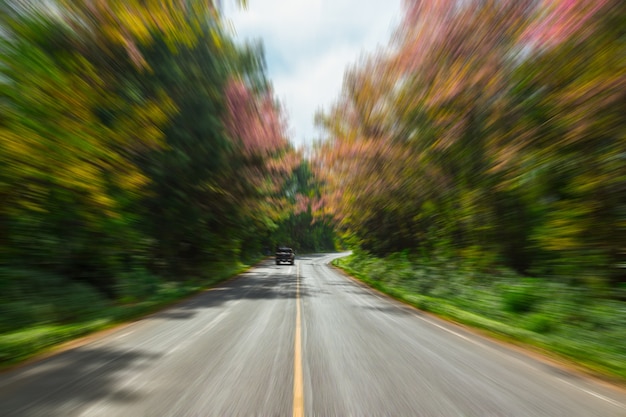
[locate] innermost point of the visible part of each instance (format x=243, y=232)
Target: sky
x=308, y=46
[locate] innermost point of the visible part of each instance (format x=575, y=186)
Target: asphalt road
x=298, y=340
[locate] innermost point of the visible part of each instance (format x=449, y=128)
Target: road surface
x=298, y=340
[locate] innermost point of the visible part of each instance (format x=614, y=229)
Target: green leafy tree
x=493, y=131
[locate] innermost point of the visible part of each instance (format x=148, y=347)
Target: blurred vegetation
x=39, y=310
x=142, y=155
x=554, y=316
x=490, y=136
x=491, y=131
x=303, y=229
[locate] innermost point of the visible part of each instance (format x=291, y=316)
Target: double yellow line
x=298, y=385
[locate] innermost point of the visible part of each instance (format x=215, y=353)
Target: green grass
x=559, y=319
x=39, y=311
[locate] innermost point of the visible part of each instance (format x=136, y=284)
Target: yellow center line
x=298, y=386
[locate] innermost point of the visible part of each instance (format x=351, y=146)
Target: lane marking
x=506, y=354
x=298, y=385
x=593, y=393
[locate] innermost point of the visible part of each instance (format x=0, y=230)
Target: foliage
x=557, y=317
x=34, y=297
x=40, y=311
x=303, y=228
x=142, y=152
x=493, y=131
x=134, y=135
x=521, y=297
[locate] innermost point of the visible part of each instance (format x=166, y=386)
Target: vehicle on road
x=285, y=255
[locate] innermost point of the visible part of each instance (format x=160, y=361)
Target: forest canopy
x=138, y=136
x=492, y=131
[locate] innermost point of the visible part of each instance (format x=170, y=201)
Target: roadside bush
x=521, y=297
x=79, y=302
x=20, y=313
x=378, y=270
x=606, y=315
x=32, y=297
x=136, y=285
x=539, y=323
x=552, y=314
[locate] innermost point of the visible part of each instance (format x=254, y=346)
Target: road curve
x=298, y=340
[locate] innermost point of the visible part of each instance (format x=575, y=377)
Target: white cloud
x=309, y=44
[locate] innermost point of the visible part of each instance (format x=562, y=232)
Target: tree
x=492, y=129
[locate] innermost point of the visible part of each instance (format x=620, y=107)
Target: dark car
x=284, y=254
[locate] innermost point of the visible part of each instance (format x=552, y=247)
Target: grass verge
x=45, y=321
x=558, y=320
